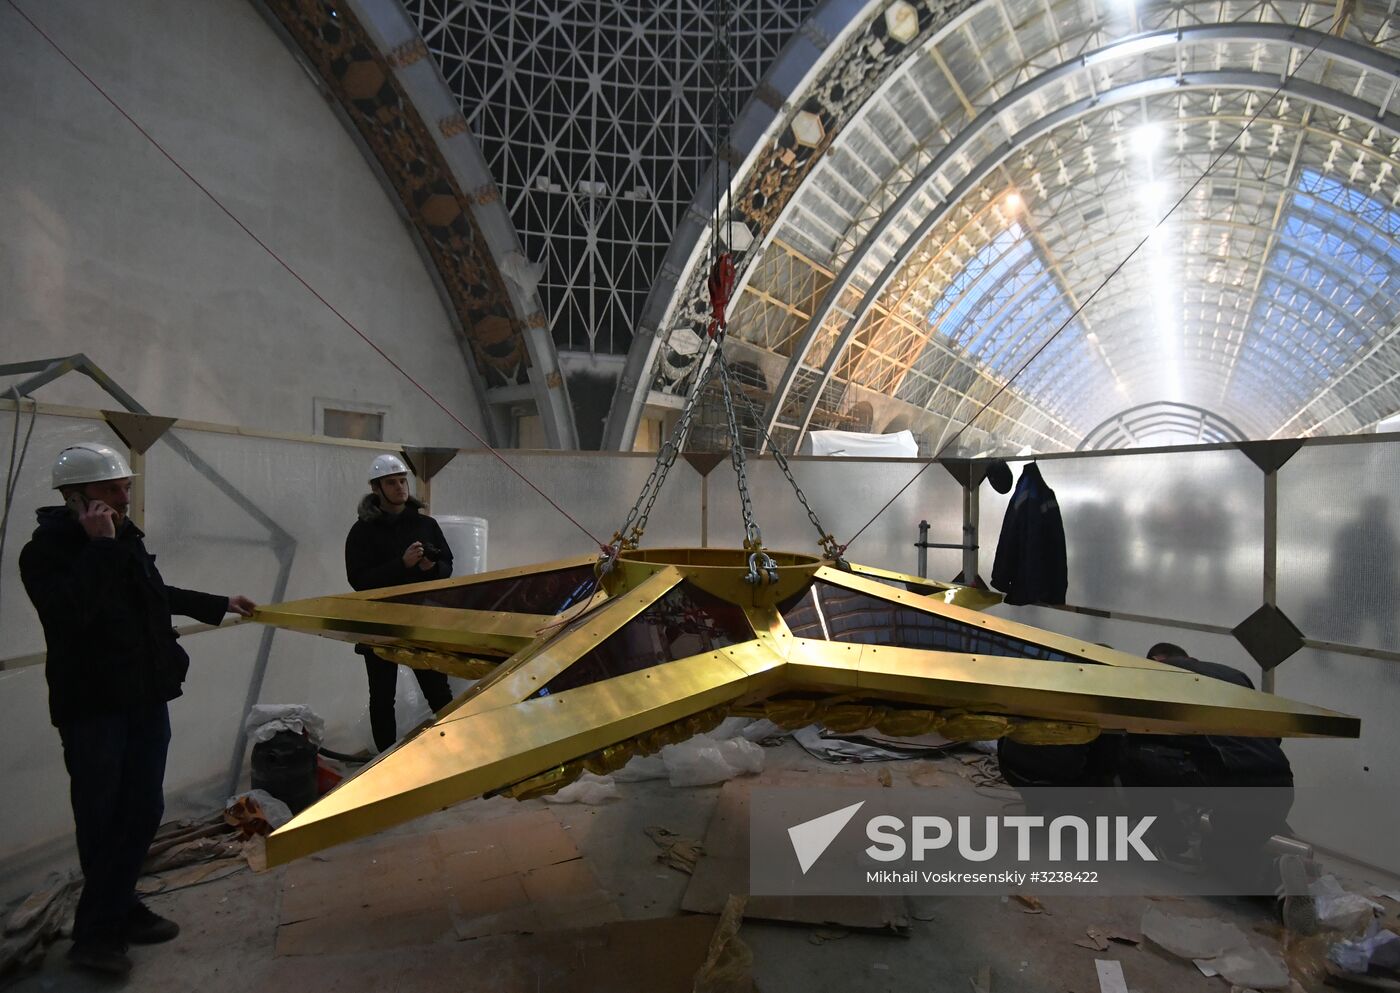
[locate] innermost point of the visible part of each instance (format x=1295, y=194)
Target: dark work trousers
x=1245, y=811
x=116, y=769
x=383, y=676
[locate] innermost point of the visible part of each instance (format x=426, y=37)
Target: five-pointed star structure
x=577, y=673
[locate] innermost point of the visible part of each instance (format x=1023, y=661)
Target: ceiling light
x=1132, y=46
x=1013, y=202
x=1146, y=139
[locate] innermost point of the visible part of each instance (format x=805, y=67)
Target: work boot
x=145, y=927
x=101, y=956
x=1297, y=908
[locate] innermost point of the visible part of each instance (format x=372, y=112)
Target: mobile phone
x=77, y=503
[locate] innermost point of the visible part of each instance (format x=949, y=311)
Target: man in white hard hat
x=113, y=665
x=393, y=543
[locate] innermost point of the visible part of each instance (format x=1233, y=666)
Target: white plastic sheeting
x=859, y=444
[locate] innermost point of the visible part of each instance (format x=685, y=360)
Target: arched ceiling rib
x=369, y=58
x=1096, y=118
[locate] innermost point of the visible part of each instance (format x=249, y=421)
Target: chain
x=762, y=568
x=630, y=534
x=825, y=539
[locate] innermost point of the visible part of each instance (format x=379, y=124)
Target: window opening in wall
x=348, y=419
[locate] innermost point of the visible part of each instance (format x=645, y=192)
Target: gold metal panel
x=1113, y=698
x=1089, y=652
x=962, y=596
x=475, y=579
x=501, y=736
x=437, y=627
x=464, y=756
x=714, y=570
x=770, y=628
x=754, y=658
x=533, y=667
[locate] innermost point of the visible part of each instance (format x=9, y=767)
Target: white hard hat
x=386, y=465
x=89, y=462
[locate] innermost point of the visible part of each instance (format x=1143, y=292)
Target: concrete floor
x=229, y=926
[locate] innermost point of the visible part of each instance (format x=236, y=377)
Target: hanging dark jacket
x=1030, y=564
x=375, y=545
x=106, y=612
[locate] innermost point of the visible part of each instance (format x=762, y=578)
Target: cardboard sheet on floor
x=518, y=874
x=652, y=956
x=724, y=869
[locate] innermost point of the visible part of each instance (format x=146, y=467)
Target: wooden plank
x=724, y=870
x=651, y=956
x=507, y=876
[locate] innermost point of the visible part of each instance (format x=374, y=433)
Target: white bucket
x=466, y=536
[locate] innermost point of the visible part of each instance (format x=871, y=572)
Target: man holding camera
x=112, y=665
x=394, y=543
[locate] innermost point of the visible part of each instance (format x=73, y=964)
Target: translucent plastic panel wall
x=596, y=489
x=1365, y=688
x=1338, y=538
x=1339, y=543
x=31, y=758
x=845, y=494
x=1169, y=535
x=228, y=519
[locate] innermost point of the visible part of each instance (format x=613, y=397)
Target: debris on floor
x=705, y=760
x=982, y=982
x=1094, y=940
x=829, y=746
x=1336, y=976
x=1110, y=972
x=1031, y=904
x=1217, y=948
x=678, y=852
x=1252, y=967
x=43, y=917
x=589, y=789
x=822, y=935
x=1190, y=937
x=1378, y=948
x=256, y=812
x=1338, y=909
x=728, y=967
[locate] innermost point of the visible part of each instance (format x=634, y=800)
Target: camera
x=431, y=551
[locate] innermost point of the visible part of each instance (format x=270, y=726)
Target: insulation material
x=860, y=444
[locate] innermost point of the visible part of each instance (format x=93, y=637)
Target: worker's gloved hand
x=412, y=555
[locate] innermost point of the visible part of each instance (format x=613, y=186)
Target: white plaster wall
x=105, y=248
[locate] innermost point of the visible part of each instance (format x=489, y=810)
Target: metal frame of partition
x=140, y=429
x=1269, y=456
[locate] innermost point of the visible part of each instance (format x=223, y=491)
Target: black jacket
x=1030, y=564
x=1222, y=759
x=106, y=615
x=376, y=543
